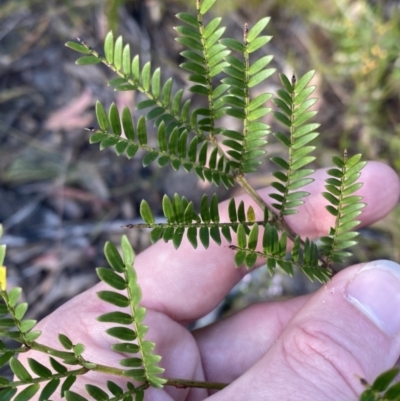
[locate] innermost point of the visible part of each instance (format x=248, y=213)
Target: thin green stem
x=76, y=372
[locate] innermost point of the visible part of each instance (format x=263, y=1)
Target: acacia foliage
x=230, y=75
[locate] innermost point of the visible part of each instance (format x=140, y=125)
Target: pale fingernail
x=375, y=291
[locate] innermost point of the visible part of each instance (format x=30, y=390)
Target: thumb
x=349, y=329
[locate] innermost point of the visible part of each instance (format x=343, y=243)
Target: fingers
x=186, y=283
x=231, y=346
x=345, y=331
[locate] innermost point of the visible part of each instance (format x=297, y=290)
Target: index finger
x=188, y=283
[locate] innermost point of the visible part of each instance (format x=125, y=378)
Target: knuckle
x=316, y=352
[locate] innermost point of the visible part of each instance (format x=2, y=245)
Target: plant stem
x=181, y=383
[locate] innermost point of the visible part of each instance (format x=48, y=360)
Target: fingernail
x=375, y=291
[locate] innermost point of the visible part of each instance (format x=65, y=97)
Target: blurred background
x=61, y=198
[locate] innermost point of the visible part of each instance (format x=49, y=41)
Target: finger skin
x=232, y=345
x=322, y=352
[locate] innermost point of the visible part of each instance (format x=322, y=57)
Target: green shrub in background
x=224, y=71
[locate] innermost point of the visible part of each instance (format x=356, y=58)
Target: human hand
x=308, y=348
